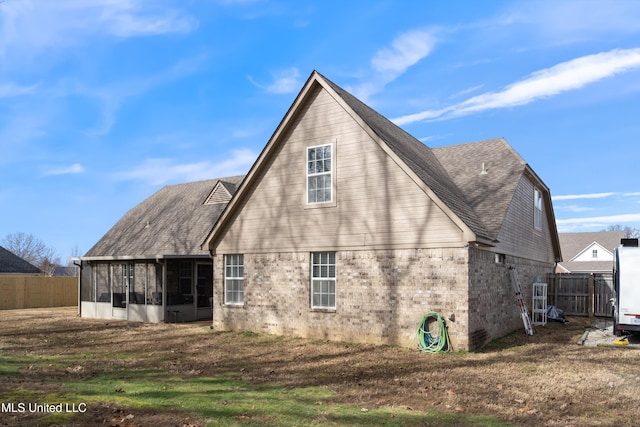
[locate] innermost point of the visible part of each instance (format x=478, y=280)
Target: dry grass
x=546, y=379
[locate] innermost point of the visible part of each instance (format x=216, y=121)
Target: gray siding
x=377, y=205
x=518, y=237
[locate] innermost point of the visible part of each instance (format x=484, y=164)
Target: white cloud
x=582, y=196
x=390, y=62
x=566, y=76
x=160, y=171
x=8, y=90
x=405, y=51
x=29, y=28
x=75, y=168
x=574, y=208
x=571, y=224
x=571, y=21
x=284, y=81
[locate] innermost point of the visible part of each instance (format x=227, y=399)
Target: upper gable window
x=537, y=209
x=594, y=253
x=320, y=174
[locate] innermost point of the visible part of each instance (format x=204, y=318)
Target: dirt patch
x=544, y=379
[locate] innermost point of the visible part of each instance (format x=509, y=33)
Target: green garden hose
x=429, y=341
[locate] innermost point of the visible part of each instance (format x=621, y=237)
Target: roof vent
x=484, y=170
x=219, y=194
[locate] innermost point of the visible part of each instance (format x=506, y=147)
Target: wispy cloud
x=596, y=221
x=8, y=90
x=566, y=76
x=32, y=28
x=582, y=196
x=574, y=208
x=111, y=96
x=390, y=62
x=284, y=81
x=573, y=21
x=75, y=168
x=404, y=51
x=160, y=171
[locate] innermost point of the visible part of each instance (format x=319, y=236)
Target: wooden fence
x=37, y=292
x=581, y=294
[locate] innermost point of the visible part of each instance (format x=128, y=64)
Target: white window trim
x=537, y=210
x=329, y=279
x=227, y=278
x=332, y=174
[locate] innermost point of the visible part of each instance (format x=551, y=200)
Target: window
x=499, y=258
x=185, y=278
x=319, y=174
x=537, y=209
x=323, y=280
x=594, y=253
x=234, y=279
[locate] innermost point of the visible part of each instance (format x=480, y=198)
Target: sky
x=102, y=103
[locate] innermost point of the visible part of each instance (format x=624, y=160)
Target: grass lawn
x=57, y=369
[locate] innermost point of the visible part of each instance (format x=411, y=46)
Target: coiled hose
x=430, y=342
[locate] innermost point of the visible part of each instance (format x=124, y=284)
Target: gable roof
x=417, y=157
x=412, y=155
x=11, y=263
x=171, y=222
x=574, y=244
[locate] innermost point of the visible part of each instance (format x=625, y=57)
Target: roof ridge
x=418, y=157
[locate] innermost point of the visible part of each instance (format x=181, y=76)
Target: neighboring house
x=60, y=270
x=588, y=252
x=348, y=228
x=11, y=263
x=149, y=266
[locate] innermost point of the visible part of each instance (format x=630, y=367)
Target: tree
x=628, y=231
x=33, y=250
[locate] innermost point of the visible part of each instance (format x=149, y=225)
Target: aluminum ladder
x=517, y=289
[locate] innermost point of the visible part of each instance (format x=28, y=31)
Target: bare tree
x=628, y=231
x=33, y=250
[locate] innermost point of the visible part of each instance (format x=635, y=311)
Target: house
x=348, y=228
x=149, y=266
x=11, y=263
x=588, y=252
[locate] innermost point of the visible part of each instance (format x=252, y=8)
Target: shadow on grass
x=223, y=402
x=226, y=401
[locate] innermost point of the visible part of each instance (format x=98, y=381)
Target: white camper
x=626, y=280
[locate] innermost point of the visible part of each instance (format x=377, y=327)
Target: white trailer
x=626, y=280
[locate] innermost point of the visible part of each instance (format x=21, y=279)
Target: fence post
x=591, y=295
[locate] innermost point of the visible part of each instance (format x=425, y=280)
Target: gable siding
x=587, y=254
x=376, y=203
x=518, y=237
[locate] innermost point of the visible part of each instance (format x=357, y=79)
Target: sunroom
x=147, y=290
x=150, y=265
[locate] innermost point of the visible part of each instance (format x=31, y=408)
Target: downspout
x=213, y=284
x=79, y=287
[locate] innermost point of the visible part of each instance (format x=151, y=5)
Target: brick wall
x=493, y=308
x=381, y=295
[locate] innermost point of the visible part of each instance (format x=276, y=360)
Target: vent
x=219, y=194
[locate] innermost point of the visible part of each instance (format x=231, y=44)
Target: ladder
x=517, y=289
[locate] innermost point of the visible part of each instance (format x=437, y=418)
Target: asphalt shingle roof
x=171, y=222
x=419, y=158
x=573, y=244
x=489, y=194
x=11, y=263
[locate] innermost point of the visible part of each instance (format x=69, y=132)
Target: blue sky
x=104, y=102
